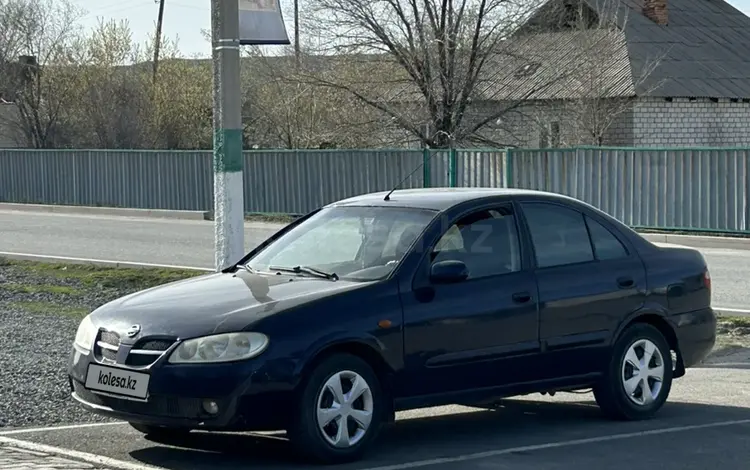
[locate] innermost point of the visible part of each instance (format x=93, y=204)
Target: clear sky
x=186, y=18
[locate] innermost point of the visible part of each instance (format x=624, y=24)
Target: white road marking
x=554, y=445
x=59, y=428
x=104, y=262
x=249, y=224
x=122, y=465
x=117, y=217
x=98, y=460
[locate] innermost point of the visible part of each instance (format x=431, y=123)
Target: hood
x=213, y=303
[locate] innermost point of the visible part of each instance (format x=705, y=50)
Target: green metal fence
x=703, y=189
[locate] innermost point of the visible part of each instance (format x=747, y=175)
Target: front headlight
x=220, y=348
x=86, y=334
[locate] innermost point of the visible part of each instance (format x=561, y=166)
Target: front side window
x=358, y=243
x=558, y=233
x=486, y=241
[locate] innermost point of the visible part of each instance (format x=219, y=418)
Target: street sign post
x=261, y=23
x=234, y=22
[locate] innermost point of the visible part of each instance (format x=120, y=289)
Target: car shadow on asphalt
x=516, y=423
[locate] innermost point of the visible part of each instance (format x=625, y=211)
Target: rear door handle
x=625, y=282
x=521, y=297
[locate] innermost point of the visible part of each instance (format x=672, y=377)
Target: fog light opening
x=210, y=407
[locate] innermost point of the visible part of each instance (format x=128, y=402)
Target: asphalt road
x=190, y=243
x=705, y=424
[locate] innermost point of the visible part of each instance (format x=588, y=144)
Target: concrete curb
x=95, y=262
x=113, y=211
x=696, y=241
x=731, y=312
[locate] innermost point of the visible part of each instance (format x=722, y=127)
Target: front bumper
x=249, y=397
x=696, y=335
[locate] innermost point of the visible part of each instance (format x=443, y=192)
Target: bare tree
x=42, y=81
x=283, y=112
x=422, y=62
x=181, y=113
x=608, y=81
x=110, y=109
x=120, y=106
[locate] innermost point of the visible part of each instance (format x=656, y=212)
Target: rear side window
x=559, y=234
x=606, y=245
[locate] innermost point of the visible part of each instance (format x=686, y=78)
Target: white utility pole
x=229, y=211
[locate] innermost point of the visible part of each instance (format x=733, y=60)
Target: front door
x=461, y=336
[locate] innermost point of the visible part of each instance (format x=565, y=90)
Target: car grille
x=147, y=351
x=106, y=346
x=144, y=353
x=157, y=405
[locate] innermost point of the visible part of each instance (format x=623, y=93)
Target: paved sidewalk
x=13, y=458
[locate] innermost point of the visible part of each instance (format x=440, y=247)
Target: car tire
x=310, y=434
x=160, y=432
x=621, y=394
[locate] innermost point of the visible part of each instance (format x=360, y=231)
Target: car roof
x=440, y=199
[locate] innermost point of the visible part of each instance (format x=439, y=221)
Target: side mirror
x=449, y=271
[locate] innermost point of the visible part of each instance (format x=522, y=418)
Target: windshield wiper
x=248, y=269
x=306, y=270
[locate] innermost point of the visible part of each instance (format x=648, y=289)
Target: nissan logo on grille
x=133, y=331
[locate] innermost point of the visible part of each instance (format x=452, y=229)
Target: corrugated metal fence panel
x=704, y=189
x=668, y=188
x=138, y=179
x=481, y=168
x=440, y=168
x=300, y=181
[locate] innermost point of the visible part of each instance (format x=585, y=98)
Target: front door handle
x=625, y=282
x=521, y=297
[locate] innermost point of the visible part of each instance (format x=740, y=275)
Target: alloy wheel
x=643, y=372
x=344, y=409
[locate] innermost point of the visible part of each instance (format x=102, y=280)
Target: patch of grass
x=74, y=290
x=271, y=217
x=734, y=321
x=40, y=289
x=732, y=335
x=51, y=308
x=102, y=277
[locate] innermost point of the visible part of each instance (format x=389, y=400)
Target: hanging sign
x=261, y=23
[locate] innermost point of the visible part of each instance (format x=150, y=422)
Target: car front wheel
x=638, y=379
x=340, y=410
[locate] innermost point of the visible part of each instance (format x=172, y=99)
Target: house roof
x=545, y=65
x=704, y=51
x=561, y=65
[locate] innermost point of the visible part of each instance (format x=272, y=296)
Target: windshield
x=355, y=243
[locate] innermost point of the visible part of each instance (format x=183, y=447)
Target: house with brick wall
x=651, y=73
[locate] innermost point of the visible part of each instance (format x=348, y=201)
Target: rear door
x=588, y=280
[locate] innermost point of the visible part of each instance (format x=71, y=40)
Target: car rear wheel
x=340, y=411
x=639, y=376
x=160, y=432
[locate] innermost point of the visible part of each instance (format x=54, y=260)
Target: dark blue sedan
x=377, y=304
